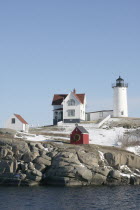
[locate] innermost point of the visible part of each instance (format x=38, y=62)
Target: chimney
x=74, y=91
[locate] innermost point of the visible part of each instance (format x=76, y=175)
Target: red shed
x=79, y=136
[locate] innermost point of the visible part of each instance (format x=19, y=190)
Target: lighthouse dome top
x=119, y=79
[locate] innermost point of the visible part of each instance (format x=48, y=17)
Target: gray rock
x=24, y=167
x=39, y=146
x=98, y=179
x=36, y=173
x=22, y=176
x=134, y=180
x=110, y=158
x=49, y=147
x=40, y=167
x=20, y=146
x=18, y=156
x=3, y=152
x=115, y=174
x=32, y=144
x=70, y=158
x=34, y=149
x=125, y=180
x=85, y=173
x=9, y=157
x=90, y=158
x=10, y=152
x=67, y=171
x=29, y=157
x=137, y=171
x=46, y=157
x=34, y=178
x=6, y=166
x=31, y=166
x=101, y=170
x=73, y=182
x=53, y=154
x=43, y=161
x=42, y=152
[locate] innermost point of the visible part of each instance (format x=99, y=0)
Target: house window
x=71, y=102
x=71, y=113
x=122, y=113
x=13, y=120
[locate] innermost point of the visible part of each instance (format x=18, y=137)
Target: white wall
x=78, y=107
x=82, y=110
x=120, y=102
x=26, y=127
x=18, y=125
x=98, y=115
x=66, y=107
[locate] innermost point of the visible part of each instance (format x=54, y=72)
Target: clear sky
x=49, y=47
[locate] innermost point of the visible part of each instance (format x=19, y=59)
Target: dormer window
x=71, y=102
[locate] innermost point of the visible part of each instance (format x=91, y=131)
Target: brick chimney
x=74, y=91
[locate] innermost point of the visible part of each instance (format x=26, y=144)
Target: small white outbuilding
x=17, y=122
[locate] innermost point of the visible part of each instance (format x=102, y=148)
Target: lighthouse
x=120, y=108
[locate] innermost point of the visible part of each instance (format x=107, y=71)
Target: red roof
x=81, y=97
x=20, y=118
x=58, y=98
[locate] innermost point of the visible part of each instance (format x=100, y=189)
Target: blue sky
x=49, y=47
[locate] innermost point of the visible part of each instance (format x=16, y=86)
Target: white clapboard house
x=17, y=122
x=69, y=108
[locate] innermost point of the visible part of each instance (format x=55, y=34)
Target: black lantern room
x=120, y=83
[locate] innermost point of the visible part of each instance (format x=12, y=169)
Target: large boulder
x=98, y=179
x=90, y=159
x=34, y=175
x=85, y=173
x=7, y=166
x=30, y=156
x=44, y=161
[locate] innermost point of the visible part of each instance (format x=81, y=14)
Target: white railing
x=103, y=121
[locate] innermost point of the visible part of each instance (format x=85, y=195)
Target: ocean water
x=75, y=198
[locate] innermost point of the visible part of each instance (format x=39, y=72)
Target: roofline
x=21, y=119
x=76, y=97
x=101, y=111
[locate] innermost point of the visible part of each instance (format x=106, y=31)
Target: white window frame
x=71, y=102
x=71, y=113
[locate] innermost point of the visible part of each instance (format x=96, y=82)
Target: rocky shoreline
x=28, y=164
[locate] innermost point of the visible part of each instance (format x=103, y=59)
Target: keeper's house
x=17, y=122
x=69, y=108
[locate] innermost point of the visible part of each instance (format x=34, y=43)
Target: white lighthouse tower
x=120, y=98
